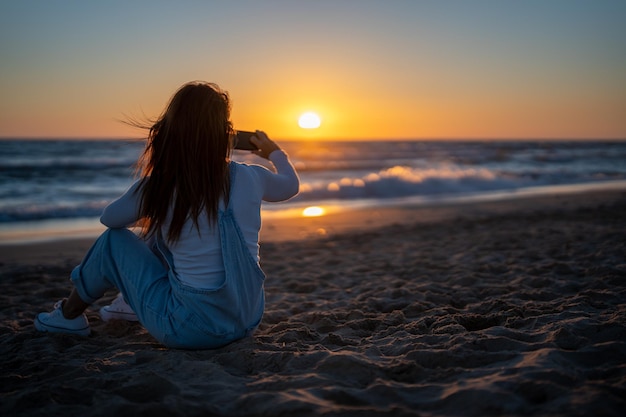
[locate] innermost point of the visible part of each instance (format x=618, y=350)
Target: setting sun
x=309, y=120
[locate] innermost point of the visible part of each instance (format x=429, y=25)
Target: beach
x=506, y=307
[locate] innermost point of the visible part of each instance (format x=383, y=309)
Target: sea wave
x=402, y=181
x=66, y=179
x=31, y=212
x=376, y=187
x=69, y=164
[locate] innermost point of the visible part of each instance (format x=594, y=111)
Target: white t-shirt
x=197, y=254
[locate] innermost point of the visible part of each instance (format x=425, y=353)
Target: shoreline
x=55, y=230
x=343, y=221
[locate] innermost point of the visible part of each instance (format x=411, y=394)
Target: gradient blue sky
x=370, y=69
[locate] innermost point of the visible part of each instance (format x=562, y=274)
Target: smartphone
x=242, y=140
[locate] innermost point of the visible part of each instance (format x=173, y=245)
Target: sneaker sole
x=107, y=315
x=42, y=327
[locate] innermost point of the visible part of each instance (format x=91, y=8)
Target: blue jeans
x=177, y=315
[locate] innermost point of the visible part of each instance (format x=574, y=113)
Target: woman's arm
x=124, y=211
x=284, y=183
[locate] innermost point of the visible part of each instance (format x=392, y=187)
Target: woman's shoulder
x=251, y=173
x=244, y=170
x=248, y=168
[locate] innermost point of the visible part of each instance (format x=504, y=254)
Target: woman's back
x=197, y=255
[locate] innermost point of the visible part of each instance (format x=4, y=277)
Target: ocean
x=63, y=185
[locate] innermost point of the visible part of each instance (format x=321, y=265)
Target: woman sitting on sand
x=200, y=284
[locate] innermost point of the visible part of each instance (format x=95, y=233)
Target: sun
x=309, y=120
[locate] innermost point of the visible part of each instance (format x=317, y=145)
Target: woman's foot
x=55, y=322
x=118, y=310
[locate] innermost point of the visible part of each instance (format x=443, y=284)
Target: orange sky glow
x=370, y=70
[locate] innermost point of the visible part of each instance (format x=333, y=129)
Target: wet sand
x=513, y=307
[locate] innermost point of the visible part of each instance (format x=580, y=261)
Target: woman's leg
x=121, y=259
x=73, y=306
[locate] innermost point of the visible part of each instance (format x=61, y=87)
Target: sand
x=485, y=309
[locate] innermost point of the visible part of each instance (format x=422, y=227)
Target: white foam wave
x=400, y=181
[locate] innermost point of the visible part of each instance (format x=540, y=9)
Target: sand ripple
x=511, y=315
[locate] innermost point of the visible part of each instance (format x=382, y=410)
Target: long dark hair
x=184, y=167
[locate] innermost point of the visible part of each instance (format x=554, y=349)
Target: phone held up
x=242, y=140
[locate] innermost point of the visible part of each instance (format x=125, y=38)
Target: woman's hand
x=264, y=144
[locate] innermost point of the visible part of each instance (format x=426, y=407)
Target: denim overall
x=178, y=315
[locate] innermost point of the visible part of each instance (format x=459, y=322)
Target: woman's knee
x=121, y=239
x=113, y=235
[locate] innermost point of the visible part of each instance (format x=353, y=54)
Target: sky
x=536, y=69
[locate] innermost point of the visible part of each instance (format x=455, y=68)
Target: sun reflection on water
x=313, y=211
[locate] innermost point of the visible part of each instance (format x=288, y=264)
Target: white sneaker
x=55, y=322
x=118, y=310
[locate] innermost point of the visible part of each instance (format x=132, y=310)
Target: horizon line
x=309, y=139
